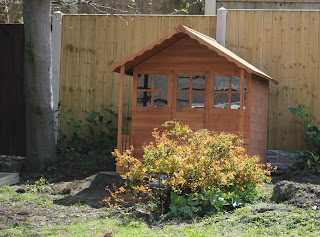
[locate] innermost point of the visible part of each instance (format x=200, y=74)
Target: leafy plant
x=310, y=157
x=208, y=202
x=72, y=127
x=185, y=168
x=101, y=135
x=39, y=185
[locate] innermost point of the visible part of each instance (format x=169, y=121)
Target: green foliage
x=185, y=6
x=39, y=185
x=208, y=202
x=101, y=134
x=190, y=170
x=310, y=157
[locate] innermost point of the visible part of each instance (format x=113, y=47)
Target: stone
x=8, y=178
x=273, y=153
x=21, y=190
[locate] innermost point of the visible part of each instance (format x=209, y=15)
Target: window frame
x=229, y=91
x=190, y=73
x=152, y=90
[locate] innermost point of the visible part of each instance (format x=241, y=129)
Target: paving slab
x=8, y=178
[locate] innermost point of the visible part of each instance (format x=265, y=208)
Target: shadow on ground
x=89, y=191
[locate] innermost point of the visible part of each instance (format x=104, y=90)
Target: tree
x=39, y=103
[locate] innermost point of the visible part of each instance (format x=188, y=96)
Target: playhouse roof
x=180, y=32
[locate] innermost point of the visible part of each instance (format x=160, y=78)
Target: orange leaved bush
x=185, y=162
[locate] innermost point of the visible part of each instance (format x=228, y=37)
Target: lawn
x=47, y=209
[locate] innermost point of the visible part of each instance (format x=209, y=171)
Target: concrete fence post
x=56, y=54
x=221, y=26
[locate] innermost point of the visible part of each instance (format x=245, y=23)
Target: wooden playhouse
x=189, y=77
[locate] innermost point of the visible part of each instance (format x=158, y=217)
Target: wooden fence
x=286, y=45
x=12, y=100
x=92, y=43
x=269, y=4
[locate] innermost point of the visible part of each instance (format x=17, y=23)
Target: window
x=190, y=91
x=152, y=90
x=227, y=92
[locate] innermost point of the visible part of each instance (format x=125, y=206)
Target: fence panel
x=12, y=100
x=284, y=44
x=268, y=4
x=92, y=43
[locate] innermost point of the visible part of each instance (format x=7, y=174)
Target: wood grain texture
x=285, y=45
x=92, y=43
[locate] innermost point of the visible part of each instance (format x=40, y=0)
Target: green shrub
x=310, y=157
x=101, y=134
x=189, y=169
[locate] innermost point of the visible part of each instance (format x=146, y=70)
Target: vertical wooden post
x=119, y=142
x=241, y=102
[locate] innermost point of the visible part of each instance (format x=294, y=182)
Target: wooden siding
x=12, y=99
x=259, y=118
x=285, y=45
x=92, y=43
x=188, y=57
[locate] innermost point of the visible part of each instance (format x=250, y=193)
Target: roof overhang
x=180, y=32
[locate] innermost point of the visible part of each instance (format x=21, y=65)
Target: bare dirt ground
x=80, y=195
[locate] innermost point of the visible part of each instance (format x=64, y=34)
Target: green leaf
x=69, y=120
x=295, y=112
x=93, y=116
x=68, y=111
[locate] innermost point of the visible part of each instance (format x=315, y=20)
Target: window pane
x=160, y=99
x=161, y=82
x=183, y=82
x=198, y=83
x=221, y=83
x=144, y=81
x=235, y=101
x=144, y=99
x=183, y=100
x=221, y=100
x=197, y=100
x=235, y=83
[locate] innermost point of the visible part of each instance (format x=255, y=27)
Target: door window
x=190, y=91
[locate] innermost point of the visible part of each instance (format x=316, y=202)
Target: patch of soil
x=84, y=195
x=301, y=176
x=297, y=194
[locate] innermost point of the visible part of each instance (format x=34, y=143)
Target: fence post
x=210, y=7
x=221, y=26
x=56, y=53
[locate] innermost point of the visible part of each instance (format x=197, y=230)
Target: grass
x=243, y=222
x=48, y=218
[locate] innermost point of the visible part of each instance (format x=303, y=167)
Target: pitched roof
x=180, y=32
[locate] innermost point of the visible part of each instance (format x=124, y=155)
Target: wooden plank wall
x=268, y=4
x=285, y=45
x=12, y=100
x=92, y=43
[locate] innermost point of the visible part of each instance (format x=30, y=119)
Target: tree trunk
x=39, y=102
